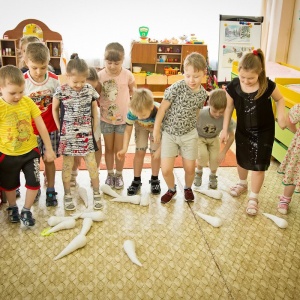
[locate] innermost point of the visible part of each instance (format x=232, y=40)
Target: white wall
x=87, y=26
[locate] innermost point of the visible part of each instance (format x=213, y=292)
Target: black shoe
x=27, y=219
x=155, y=186
x=37, y=197
x=18, y=193
x=134, y=188
x=13, y=214
x=51, y=199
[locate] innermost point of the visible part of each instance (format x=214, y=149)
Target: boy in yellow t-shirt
x=18, y=143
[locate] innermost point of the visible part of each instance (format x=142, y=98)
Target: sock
x=185, y=187
x=212, y=173
x=154, y=177
x=110, y=172
x=173, y=189
x=12, y=206
x=25, y=209
x=243, y=181
x=119, y=173
x=95, y=190
x=74, y=173
x=137, y=178
x=50, y=190
x=253, y=195
x=198, y=170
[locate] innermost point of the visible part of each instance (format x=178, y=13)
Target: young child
x=77, y=122
x=117, y=85
x=250, y=94
x=177, y=116
x=142, y=114
x=209, y=126
x=93, y=81
x=290, y=166
x=24, y=41
x=40, y=85
x=18, y=143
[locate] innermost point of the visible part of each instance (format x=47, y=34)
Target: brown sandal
x=253, y=205
x=238, y=189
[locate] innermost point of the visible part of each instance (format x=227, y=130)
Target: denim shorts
x=107, y=128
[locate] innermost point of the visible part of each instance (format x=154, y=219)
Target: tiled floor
x=183, y=256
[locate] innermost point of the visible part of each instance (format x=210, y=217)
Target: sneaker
x=167, y=197
x=119, y=183
x=27, y=219
x=213, y=182
x=97, y=200
x=18, y=193
x=198, y=179
x=37, y=197
x=68, y=202
x=188, y=195
x=134, y=188
x=110, y=180
x=13, y=214
x=51, y=199
x=155, y=186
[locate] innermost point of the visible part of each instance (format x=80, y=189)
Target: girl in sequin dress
x=250, y=95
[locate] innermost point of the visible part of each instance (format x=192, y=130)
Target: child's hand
x=221, y=157
x=49, y=156
x=281, y=122
x=156, y=154
x=121, y=154
x=223, y=136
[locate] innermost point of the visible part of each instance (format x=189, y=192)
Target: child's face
x=37, y=70
x=113, y=67
x=193, y=78
x=216, y=113
x=12, y=93
x=248, y=78
x=76, y=82
x=143, y=114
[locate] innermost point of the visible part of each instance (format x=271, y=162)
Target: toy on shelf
x=183, y=39
x=170, y=71
x=143, y=34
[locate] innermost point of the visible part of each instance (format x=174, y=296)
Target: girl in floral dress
x=290, y=166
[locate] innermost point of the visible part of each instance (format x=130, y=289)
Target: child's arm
x=227, y=118
x=55, y=112
x=156, y=154
x=158, y=119
x=95, y=115
x=126, y=139
x=226, y=146
x=132, y=86
x=43, y=132
x=280, y=108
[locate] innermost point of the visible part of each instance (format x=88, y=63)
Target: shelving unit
x=51, y=38
x=8, y=48
x=156, y=57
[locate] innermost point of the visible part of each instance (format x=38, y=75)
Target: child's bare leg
x=257, y=179
x=138, y=162
x=167, y=166
x=29, y=198
x=50, y=173
x=285, y=199
x=189, y=169
x=109, y=150
x=98, y=154
x=242, y=185
x=119, y=183
x=155, y=182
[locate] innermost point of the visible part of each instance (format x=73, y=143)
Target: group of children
x=40, y=117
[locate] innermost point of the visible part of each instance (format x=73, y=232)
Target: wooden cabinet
x=55, y=49
x=159, y=58
x=9, y=55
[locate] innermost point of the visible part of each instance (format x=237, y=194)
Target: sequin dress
x=290, y=165
x=255, y=128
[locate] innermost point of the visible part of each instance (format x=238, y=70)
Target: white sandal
x=68, y=202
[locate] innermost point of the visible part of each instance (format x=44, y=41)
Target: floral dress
x=290, y=166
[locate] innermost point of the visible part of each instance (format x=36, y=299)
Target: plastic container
x=136, y=69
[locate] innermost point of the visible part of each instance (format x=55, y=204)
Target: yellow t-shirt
x=16, y=132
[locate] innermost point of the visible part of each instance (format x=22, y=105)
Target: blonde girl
x=250, y=95
x=117, y=85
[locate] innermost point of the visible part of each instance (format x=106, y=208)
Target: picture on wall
x=237, y=34
x=233, y=53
